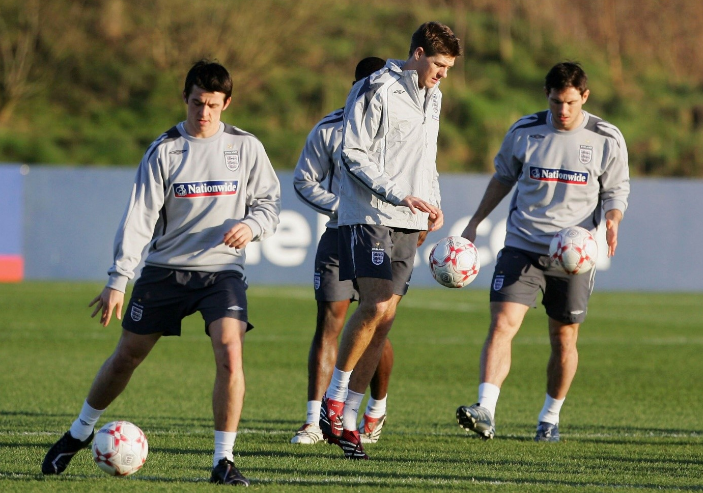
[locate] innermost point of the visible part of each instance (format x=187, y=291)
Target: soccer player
x=316, y=182
x=203, y=191
x=569, y=167
x=389, y=192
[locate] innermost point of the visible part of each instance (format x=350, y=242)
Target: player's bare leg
x=323, y=351
x=376, y=298
x=115, y=373
x=321, y=360
x=370, y=366
x=496, y=358
x=561, y=370
x=227, y=336
x=382, y=377
x=374, y=417
x=564, y=358
x=110, y=381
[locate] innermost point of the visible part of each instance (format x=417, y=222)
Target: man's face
x=565, y=106
x=431, y=69
x=204, y=110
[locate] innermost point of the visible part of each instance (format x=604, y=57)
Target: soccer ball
x=454, y=262
x=120, y=448
x=574, y=249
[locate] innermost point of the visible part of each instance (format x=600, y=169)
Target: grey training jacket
x=389, y=149
x=317, y=174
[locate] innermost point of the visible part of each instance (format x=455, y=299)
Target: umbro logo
x=236, y=308
x=398, y=91
x=181, y=151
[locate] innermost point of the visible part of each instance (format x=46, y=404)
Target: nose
x=442, y=72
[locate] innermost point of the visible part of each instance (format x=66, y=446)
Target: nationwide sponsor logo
x=179, y=151
x=435, y=107
x=205, y=189
x=232, y=160
x=585, y=154
x=560, y=175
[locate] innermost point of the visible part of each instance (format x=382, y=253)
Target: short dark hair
x=436, y=38
x=368, y=66
x=564, y=75
x=209, y=76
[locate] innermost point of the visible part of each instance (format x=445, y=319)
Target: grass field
x=632, y=422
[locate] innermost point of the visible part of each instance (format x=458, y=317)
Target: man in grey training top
x=570, y=167
x=203, y=191
x=316, y=181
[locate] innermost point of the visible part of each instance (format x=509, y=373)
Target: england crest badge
x=585, y=154
x=377, y=255
x=232, y=160
x=137, y=312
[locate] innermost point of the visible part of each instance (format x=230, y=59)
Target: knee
x=125, y=361
x=229, y=361
x=375, y=311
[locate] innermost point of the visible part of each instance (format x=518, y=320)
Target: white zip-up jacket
x=389, y=149
x=187, y=194
x=317, y=174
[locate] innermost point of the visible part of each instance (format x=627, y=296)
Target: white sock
x=337, y=391
x=376, y=408
x=84, y=425
x=313, y=412
x=550, y=411
x=488, y=397
x=351, y=410
x=224, y=444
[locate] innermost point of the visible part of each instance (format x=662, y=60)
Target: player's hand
x=239, y=236
x=417, y=204
x=612, y=223
x=109, y=299
x=421, y=238
x=470, y=232
x=436, y=221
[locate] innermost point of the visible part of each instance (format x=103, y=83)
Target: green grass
x=632, y=421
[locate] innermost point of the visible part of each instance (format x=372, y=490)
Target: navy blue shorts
x=378, y=252
x=162, y=298
x=326, y=282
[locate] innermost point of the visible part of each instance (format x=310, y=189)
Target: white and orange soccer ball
x=574, y=249
x=120, y=448
x=454, y=262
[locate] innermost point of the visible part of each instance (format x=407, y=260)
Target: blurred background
x=93, y=82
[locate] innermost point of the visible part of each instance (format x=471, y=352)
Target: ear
x=229, y=100
x=185, y=98
x=419, y=51
x=584, y=96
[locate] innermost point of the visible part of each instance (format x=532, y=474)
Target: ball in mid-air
x=574, y=249
x=454, y=262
